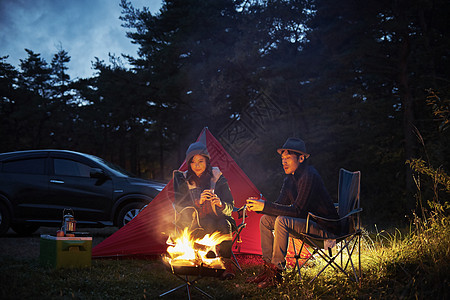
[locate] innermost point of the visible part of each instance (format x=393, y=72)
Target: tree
x=116, y=117
x=205, y=61
x=8, y=93
x=372, y=63
x=32, y=108
x=61, y=100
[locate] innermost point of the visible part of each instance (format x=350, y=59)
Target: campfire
x=189, y=256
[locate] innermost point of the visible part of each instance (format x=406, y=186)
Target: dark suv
x=36, y=186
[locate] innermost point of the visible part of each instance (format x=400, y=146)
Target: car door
x=25, y=183
x=70, y=186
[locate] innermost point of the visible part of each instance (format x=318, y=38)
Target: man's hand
x=255, y=204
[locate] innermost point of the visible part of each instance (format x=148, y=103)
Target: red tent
x=147, y=233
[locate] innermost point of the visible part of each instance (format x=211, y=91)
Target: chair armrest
x=242, y=212
x=322, y=218
x=355, y=211
x=317, y=217
x=240, y=227
x=239, y=209
x=358, y=210
x=335, y=220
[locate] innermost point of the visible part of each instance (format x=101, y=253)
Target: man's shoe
x=269, y=282
x=273, y=277
x=259, y=277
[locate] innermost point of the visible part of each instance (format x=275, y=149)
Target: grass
x=411, y=265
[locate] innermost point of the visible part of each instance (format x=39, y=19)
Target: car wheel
x=24, y=229
x=4, y=219
x=128, y=212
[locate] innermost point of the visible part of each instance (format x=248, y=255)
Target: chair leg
x=236, y=239
x=235, y=262
x=329, y=260
x=359, y=259
x=297, y=256
x=349, y=254
x=350, y=250
x=356, y=245
x=351, y=261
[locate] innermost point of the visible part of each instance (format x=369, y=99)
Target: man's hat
x=196, y=148
x=294, y=144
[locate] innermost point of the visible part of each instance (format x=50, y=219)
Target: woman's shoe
x=229, y=270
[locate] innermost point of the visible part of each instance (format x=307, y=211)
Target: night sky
x=84, y=28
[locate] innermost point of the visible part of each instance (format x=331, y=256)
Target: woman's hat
x=196, y=148
x=296, y=145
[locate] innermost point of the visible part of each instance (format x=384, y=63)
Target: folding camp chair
x=350, y=238
x=242, y=214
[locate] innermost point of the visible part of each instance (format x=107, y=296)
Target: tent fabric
x=147, y=233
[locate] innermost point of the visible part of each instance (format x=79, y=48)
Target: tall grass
x=414, y=263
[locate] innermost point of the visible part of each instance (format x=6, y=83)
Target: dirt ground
x=29, y=246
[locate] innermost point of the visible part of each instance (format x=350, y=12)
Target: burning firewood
x=187, y=251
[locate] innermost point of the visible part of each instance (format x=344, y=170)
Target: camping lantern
x=69, y=223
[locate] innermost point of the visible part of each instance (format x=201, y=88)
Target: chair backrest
x=348, y=197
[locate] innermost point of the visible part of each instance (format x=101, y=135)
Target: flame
x=187, y=251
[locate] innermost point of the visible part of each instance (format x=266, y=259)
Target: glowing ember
x=186, y=251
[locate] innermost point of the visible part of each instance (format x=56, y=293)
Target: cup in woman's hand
x=207, y=195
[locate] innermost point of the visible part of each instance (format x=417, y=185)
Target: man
x=303, y=191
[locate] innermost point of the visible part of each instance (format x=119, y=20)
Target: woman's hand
x=215, y=200
x=206, y=195
x=255, y=204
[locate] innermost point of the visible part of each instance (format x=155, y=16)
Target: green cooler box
x=65, y=252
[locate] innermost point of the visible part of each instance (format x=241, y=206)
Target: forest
x=364, y=83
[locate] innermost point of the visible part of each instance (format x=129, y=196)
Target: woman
x=203, y=200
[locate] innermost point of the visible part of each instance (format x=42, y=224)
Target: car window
x=70, y=168
x=118, y=171
x=25, y=166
